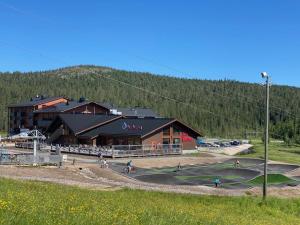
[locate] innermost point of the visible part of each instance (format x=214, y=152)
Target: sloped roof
x=137, y=112
x=129, y=126
x=36, y=101
x=62, y=107
x=82, y=122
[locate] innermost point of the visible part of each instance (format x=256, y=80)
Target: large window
x=166, y=141
x=166, y=131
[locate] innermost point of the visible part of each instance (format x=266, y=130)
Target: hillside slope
x=218, y=108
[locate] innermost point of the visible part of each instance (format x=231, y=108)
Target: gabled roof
x=83, y=122
x=129, y=126
x=63, y=107
x=36, y=101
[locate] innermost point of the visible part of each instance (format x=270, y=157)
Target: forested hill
x=217, y=108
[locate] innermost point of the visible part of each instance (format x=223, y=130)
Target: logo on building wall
x=127, y=126
x=185, y=137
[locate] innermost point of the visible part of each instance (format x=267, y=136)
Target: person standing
x=217, y=182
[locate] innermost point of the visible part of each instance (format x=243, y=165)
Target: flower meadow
x=30, y=202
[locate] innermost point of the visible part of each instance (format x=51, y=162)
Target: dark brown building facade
x=22, y=115
x=100, y=130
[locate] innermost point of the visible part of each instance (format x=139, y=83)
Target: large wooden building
x=22, y=115
x=108, y=130
x=39, y=112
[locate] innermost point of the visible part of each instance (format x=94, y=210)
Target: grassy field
x=272, y=179
x=44, y=203
x=277, y=151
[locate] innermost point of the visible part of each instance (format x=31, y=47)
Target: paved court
x=231, y=177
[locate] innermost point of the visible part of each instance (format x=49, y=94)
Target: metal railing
x=146, y=150
x=29, y=145
x=115, y=151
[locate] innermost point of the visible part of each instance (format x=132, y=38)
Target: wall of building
x=20, y=117
x=43, y=120
x=174, y=136
x=23, y=117
x=89, y=108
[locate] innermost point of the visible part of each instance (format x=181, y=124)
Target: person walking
x=179, y=167
x=237, y=163
x=217, y=182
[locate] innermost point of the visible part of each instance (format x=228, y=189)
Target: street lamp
x=266, y=76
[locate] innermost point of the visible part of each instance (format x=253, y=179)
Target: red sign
x=185, y=137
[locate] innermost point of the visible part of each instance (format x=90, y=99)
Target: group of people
x=217, y=181
x=129, y=168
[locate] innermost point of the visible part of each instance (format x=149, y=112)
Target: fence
x=116, y=151
x=29, y=145
x=28, y=159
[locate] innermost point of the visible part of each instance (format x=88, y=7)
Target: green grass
x=277, y=152
x=272, y=179
x=44, y=203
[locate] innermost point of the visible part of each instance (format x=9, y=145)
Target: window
x=176, y=131
x=166, y=131
x=130, y=141
x=166, y=141
x=176, y=141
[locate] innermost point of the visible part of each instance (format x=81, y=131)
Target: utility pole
x=266, y=76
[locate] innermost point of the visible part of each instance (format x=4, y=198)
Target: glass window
x=166, y=131
x=176, y=141
x=166, y=141
x=176, y=131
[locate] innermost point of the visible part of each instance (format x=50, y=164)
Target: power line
x=11, y=7
x=171, y=68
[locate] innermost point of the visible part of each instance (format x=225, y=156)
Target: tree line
x=222, y=108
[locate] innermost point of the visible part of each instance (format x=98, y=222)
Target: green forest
x=220, y=108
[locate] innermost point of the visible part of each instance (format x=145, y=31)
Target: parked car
x=235, y=143
x=215, y=145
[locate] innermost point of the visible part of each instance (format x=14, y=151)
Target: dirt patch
x=172, y=161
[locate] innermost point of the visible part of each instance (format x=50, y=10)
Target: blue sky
x=196, y=39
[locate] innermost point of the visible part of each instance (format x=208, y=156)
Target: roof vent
x=81, y=99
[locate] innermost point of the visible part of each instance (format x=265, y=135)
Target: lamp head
x=264, y=74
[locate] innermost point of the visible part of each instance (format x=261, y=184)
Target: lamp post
x=266, y=76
